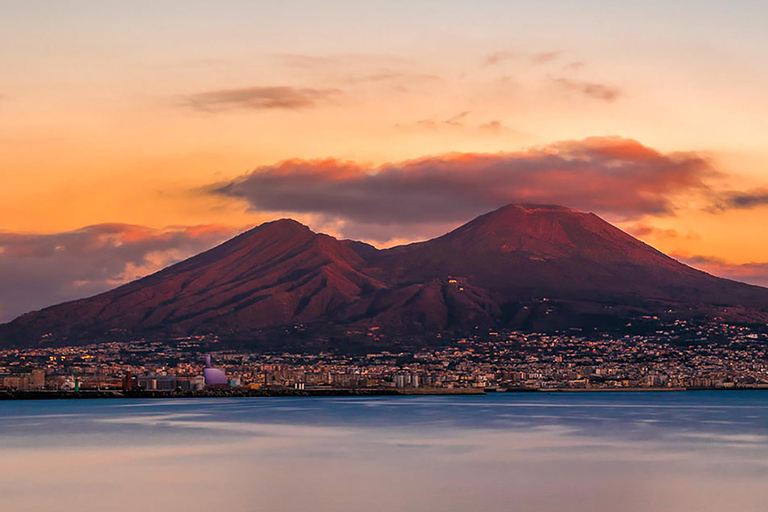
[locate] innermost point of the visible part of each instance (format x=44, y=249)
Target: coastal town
x=682, y=355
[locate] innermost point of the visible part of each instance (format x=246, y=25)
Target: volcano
x=529, y=267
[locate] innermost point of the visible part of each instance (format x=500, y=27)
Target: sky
x=134, y=134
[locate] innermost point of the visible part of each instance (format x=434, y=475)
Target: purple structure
x=213, y=376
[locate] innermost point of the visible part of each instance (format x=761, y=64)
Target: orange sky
x=129, y=113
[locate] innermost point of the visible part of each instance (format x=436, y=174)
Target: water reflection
x=521, y=452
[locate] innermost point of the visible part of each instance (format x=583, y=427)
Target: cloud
x=544, y=57
x=497, y=127
x=537, y=58
x=462, y=121
x=261, y=98
x=498, y=57
x=736, y=200
x=753, y=273
x=39, y=270
x=592, y=89
x=434, y=123
x=645, y=230
x=356, y=69
x=608, y=175
x=457, y=120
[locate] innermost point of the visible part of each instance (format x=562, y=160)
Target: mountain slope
x=552, y=251
x=522, y=266
x=278, y=273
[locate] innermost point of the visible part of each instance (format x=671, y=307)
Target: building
x=190, y=383
x=130, y=382
x=37, y=379
x=16, y=382
x=157, y=382
x=214, y=376
x=406, y=380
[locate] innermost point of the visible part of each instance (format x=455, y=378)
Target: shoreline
x=349, y=392
x=233, y=393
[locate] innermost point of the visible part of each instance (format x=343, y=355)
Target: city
x=682, y=355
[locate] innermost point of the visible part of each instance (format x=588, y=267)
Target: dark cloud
x=39, y=270
x=736, y=200
x=592, y=89
x=261, y=98
x=753, y=273
x=611, y=175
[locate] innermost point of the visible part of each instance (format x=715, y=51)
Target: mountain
x=522, y=266
x=278, y=273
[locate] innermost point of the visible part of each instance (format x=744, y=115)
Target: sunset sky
x=133, y=134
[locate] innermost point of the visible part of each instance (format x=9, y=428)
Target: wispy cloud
x=435, y=122
x=462, y=121
x=356, y=69
x=575, y=65
x=498, y=57
x=494, y=127
x=738, y=200
x=281, y=97
x=646, y=230
x=544, y=57
x=457, y=119
x=506, y=55
x=594, y=90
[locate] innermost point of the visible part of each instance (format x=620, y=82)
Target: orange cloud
x=646, y=230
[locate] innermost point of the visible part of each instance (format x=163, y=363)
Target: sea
x=530, y=452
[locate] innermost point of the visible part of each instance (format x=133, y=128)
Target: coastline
x=341, y=392
x=233, y=393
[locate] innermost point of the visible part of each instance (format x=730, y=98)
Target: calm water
x=695, y=451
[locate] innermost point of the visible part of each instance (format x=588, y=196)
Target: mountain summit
x=522, y=266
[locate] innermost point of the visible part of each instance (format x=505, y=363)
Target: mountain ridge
x=537, y=267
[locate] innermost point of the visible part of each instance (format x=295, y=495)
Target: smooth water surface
x=687, y=451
